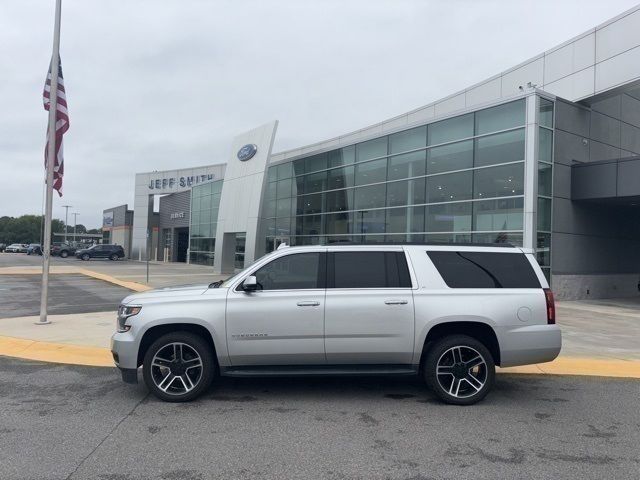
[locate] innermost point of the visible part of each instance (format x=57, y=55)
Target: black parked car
x=62, y=249
x=112, y=252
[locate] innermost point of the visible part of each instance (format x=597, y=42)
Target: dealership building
x=545, y=155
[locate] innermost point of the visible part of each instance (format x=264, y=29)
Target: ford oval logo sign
x=247, y=152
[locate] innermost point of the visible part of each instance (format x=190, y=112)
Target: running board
x=320, y=370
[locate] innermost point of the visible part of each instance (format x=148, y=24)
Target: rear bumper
x=530, y=344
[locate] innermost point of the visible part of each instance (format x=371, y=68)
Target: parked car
x=112, y=252
x=63, y=250
x=447, y=313
x=2, y=247
x=34, y=249
x=16, y=248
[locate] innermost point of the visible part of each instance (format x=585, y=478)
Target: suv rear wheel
x=178, y=367
x=64, y=254
x=459, y=369
x=114, y=257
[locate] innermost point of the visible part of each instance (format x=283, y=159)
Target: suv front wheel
x=459, y=369
x=178, y=367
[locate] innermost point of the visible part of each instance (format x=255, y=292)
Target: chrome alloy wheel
x=461, y=371
x=176, y=368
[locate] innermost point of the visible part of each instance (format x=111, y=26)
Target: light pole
x=66, y=218
x=75, y=221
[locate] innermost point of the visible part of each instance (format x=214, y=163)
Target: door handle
x=308, y=304
x=396, y=302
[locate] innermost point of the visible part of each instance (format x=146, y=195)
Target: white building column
x=531, y=173
x=241, y=197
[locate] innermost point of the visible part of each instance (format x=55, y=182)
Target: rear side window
x=485, y=269
x=368, y=270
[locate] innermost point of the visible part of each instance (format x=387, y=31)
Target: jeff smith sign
x=182, y=182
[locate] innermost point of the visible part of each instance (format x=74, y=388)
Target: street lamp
x=75, y=221
x=66, y=218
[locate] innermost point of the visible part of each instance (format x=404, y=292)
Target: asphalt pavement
x=63, y=422
x=69, y=293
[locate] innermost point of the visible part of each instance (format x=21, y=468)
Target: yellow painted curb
x=61, y=270
x=101, y=357
x=55, y=352
x=597, y=367
x=135, y=286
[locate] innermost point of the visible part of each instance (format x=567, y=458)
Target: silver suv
x=448, y=313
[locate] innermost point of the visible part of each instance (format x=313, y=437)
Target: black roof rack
x=429, y=244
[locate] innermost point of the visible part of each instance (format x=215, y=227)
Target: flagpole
x=51, y=159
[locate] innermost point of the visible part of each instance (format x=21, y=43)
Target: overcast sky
x=155, y=85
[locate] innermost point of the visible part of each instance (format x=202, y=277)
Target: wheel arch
x=479, y=330
x=155, y=332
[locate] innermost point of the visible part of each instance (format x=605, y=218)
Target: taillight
x=551, y=306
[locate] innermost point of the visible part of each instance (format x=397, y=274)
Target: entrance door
x=283, y=322
x=369, y=308
x=182, y=244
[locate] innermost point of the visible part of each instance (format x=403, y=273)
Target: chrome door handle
x=396, y=302
x=308, y=304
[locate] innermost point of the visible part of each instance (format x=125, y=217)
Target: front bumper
x=124, y=349
x=129, y=375
x=529, y=345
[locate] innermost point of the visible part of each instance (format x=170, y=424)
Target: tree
x=80, y=228
x=25, y=229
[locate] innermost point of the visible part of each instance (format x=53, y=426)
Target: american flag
x=62, y=125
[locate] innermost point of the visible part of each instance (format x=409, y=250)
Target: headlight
x=124, y=312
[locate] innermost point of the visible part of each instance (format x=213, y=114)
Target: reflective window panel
x=449, y=187
x=500, y=117
x=501, y=181
x=449, y=130
x=372, y=149
x=371, y=172
x=499, y=148
x=448, y=217
x=407, y=165
x=408, y=140
x=455, y=156
x=497, y=215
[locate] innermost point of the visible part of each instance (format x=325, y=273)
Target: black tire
x=113, y=257
x=64, y=254
x=85, y=257
x=173, y=391
x=455, y=384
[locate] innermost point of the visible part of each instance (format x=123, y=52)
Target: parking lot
x=160, y=274
x=83, y=423
x=70, y=293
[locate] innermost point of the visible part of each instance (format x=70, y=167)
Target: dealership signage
x=247, y=152
x=172, y=182
x=107, y=219
x=177, y=215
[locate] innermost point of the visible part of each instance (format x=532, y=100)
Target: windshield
x=92, y=247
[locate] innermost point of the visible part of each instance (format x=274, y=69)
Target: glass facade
x=205, y=200
x=456, y=180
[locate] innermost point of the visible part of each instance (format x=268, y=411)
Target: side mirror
x=250, y=284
